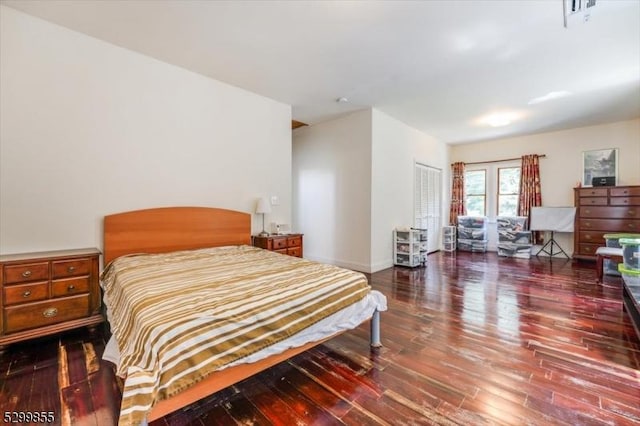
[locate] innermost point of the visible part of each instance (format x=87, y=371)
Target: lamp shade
x=263, y=206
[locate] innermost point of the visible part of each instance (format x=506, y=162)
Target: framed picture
x=599, y=163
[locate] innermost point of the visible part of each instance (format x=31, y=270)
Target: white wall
x=89, y=129
x=561, y=170
x=396, y=149
x=332, y=190
x=353, y=184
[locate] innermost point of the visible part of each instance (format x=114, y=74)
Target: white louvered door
x=427, y=203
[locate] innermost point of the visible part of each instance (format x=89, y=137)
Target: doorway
x=428, y=203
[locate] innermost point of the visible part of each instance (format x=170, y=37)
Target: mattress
x=346, y=319
x=180, y=316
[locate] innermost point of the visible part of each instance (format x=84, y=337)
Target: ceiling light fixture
x=498, y=119
x=342, y=100
x=549, y=97
x=572, y=8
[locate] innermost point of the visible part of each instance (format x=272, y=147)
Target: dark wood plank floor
x=471, y=339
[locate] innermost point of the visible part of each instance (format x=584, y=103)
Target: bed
x=194, y=308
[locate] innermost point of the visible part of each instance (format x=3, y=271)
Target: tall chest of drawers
x=48, y=292
x=600, y=211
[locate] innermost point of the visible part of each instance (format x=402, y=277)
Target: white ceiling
x=439, y=66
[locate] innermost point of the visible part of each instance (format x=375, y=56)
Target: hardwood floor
x=471, y=339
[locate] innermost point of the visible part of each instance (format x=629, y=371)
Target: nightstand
x=48, y=292
x=290, y=244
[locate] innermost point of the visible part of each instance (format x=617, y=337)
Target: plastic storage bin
x=513, y=238
x=410, y=246
x=613, y=240
x=631, y=253
x=472, y=233
x=449, y=238
x=631, y=277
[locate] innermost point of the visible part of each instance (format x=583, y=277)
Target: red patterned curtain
x=457, y=193
x=530, y=195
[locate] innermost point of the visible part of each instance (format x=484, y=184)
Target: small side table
x=606, y=253
x=290, y=244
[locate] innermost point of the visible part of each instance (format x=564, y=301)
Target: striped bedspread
x=180, y=316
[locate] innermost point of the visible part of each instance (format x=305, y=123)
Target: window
x=492, y=191
x=475, y=192
x=508, y=191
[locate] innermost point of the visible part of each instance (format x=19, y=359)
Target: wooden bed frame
x=168, y=229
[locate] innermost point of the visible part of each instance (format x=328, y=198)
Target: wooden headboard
x=167, y=229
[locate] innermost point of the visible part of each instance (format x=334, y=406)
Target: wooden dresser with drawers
x=48, y=292
x=603, y=210
x=290, y=244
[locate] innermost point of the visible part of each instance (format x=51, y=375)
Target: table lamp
x=262, y=208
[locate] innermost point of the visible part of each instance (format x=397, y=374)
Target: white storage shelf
x=449, y=238
x=410, y=247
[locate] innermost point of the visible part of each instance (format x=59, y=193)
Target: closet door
x=427, y=203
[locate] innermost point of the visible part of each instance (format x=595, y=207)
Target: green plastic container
x=631, y=253
x=613, y=240
x=610, y=266
x=630, y=276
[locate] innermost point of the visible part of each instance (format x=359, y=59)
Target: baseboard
x=360, y=267
x=379, y=266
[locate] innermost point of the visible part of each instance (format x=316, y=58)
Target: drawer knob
x=587, y=211
x=71, y=268
x=71, y=288
x=26, y=294
x=26, y=274
x=51, y=312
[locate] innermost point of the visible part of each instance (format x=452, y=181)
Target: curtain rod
x=502, y=161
